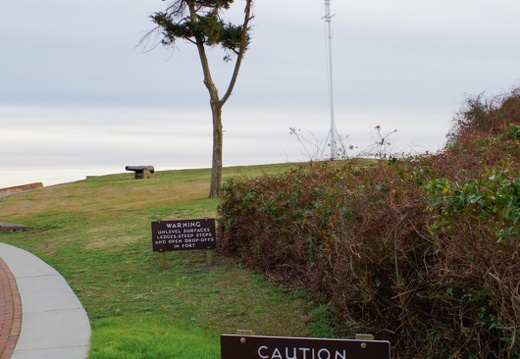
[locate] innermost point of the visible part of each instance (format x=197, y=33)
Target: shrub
x=422, y=251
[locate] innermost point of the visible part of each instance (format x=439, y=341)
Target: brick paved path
x=10, y=312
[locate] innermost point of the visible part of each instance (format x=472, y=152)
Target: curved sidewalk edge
x=54, y=322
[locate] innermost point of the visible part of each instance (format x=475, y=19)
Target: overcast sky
x=78, y=96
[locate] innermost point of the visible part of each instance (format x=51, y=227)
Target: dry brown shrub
x=410, y=250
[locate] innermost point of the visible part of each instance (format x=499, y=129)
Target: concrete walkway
x=54, y=324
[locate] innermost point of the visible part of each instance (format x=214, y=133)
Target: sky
x=79, y=96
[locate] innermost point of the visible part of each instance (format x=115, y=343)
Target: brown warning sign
x=266, y=347
x=187, y=234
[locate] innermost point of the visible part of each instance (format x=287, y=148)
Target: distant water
x=54, y=175
x=49, y=177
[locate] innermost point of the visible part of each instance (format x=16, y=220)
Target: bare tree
x=200, y=22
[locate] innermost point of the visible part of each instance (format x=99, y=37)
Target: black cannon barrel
x=140, y=168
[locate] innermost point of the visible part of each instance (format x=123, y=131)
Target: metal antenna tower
x=333, y=138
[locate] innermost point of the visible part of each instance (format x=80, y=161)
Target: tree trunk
x=216, y=112
x=218, y=142
x=216, y=103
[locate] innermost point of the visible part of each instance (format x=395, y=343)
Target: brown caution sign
x=188, y=234
x=265, y=347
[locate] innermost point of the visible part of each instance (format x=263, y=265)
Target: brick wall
x=5, y=192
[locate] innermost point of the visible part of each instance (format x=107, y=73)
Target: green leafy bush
x=494, y=199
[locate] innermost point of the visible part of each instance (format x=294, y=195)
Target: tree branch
x=243, y=46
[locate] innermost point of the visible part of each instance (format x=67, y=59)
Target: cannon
x=141, y=172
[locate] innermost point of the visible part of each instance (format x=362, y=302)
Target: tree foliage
x=199, y=22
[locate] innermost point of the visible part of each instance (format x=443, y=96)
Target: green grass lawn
x=97, y=234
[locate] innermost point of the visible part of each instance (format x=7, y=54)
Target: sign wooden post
x=209, y=258
x=162, y=260
x=186, y=234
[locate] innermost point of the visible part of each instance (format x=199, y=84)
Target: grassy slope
x=97, y=234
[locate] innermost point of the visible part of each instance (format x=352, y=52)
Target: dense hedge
x=422, y=251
